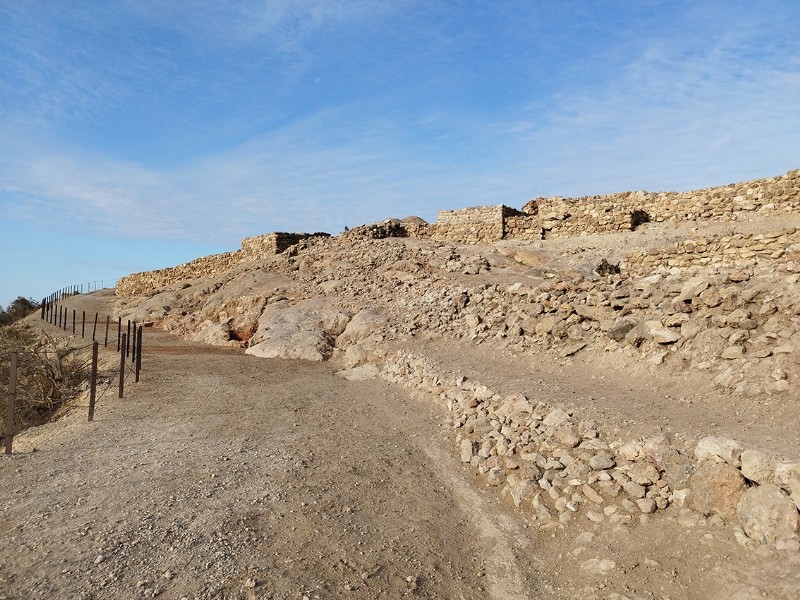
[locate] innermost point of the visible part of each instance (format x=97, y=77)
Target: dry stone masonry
x=252, y=248
x=559, y=217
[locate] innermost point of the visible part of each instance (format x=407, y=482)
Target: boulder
x=678, y=468
x=692, y=288
x=718, y=449
x=716, y=489
x=757, y=466
x=787, y=476
x=621, y=327
x=364, y=324
x=768, y=515
x=661, y=334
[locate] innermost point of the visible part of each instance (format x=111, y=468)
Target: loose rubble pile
x=561, y=467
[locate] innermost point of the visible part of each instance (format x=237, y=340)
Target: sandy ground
x=221, y=475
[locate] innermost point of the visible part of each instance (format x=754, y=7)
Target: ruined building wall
x=475, y=224
x=252, y=248
x=740, y=250
x=562, y=217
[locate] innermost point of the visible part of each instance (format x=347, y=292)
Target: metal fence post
x=93, y=388
x=122, y=366
x=83, y=325
x=94, y=331
x=12, y=398
x=139, y=353
x=133, y=343
x=108, y=322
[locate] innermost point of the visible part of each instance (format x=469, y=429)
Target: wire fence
x=56, y=314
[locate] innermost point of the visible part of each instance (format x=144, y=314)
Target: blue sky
x=140, y=134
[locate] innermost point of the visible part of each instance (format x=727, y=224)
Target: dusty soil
x=222, y=475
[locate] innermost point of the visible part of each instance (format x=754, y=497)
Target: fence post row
x=128, y=344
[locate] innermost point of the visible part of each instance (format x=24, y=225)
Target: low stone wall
x=273, y=243
x=143, y=283
x=562, y=217
x=475, y=224
x=252, y=248
x=624, y=211
x=560, y=467
x=728, y=251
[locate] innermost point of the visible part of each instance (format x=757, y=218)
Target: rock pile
x=560, y=467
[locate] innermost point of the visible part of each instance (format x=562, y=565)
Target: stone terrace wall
x=730, y=251
x=252, y=248
x=141, y=283
x=475, y=224
x=562, y=217
x=273, y=243
x=613, y=212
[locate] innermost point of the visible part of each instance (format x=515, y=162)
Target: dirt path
x=222, y=475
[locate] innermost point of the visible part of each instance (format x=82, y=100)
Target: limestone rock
x=716, y=489
x=678, y=467
x=787, y=476
x=599, y=566
x=621, y=327
x=719, y=449
x=600, y=462
x=362, y=373
x=768, y=515
x=467, y=449
x=661, y=334
x=364, y=324
x=555, y=418
x=692, y=288
x=757, y=466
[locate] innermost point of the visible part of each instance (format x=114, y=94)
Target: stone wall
x=562, y=217
x=252, y=248
x=728, y=251
x=475, y=224
x=624, y=211
x=273, y=243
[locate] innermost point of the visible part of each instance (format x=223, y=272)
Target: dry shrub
x=49, y=372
